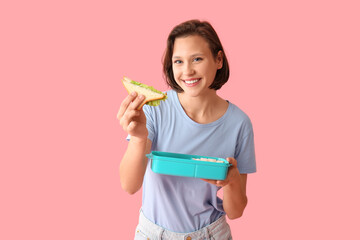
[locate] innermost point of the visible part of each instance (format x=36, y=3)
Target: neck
x=203, y=109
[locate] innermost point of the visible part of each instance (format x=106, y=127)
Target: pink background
x=294, y=70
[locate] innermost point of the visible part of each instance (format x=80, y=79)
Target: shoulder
x=239, y=114
x=240, y=120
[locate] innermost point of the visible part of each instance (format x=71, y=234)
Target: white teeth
x=192, y=81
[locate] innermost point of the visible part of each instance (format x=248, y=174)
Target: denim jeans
x=147, y=230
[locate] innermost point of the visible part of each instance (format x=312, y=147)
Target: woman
x=193, y=120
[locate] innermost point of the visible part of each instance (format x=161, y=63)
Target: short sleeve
x=245, y=150
x=150, y=121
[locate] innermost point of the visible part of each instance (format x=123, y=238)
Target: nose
x=188, y=69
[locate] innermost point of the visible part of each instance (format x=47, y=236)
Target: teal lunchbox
x=186, y=166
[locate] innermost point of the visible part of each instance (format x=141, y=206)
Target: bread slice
x=152, y=96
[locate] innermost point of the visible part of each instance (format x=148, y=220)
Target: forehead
x=189, y=45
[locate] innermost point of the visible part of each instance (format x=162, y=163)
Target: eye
x=177, y=61
x=198, y=59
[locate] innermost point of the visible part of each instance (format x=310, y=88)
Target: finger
x=219, y=183
x=138, y=102
x=128, y=117
x=222, y=183
x=232, y=161
x=131, y=126
x=214, y=182
x=208, y=180
x=125, y=104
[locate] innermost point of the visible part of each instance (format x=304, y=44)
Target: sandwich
x=153, y=97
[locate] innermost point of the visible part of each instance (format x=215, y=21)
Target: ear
x=219, y=59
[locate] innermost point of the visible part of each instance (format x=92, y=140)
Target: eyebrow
x=193, y=55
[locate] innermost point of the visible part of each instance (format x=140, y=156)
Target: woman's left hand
x=233, y=175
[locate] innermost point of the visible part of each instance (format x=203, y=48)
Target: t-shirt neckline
x=218, y=121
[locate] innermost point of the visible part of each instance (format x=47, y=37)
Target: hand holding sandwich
x=132, y=119
x=131, y=115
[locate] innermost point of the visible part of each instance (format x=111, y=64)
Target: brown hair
x=202, y=29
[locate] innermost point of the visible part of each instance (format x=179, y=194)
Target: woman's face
x=193, y=65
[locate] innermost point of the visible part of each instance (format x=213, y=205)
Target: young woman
x=193, y=120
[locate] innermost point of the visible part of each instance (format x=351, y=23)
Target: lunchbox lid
x=169, y=156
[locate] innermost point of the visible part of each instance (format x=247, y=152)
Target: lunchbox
x=184, y=165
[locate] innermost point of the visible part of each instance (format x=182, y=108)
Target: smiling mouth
x=192, y=81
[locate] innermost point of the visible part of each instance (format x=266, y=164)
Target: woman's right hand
x=133, y=121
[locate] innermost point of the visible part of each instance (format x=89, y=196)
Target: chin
x=196, y=93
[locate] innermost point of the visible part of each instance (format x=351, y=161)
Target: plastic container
x=184, y=165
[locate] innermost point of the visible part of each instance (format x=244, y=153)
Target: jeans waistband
x=155, y=231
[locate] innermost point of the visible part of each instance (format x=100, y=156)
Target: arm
x=133, y=164
x=234, y=194
x=234, y=191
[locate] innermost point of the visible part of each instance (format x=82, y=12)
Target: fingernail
x=141, y=97
x=133, y=94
